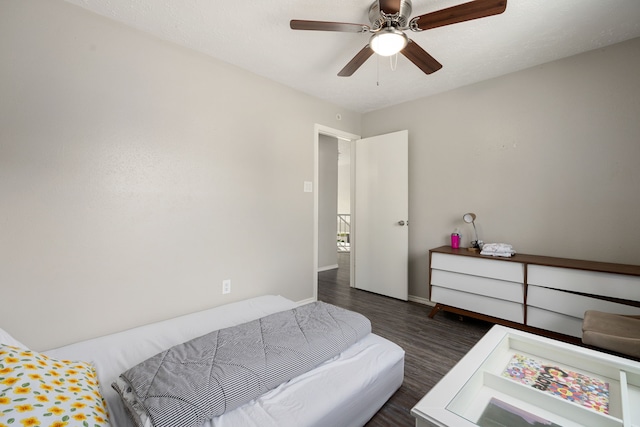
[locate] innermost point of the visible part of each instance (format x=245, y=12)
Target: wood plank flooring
x=432, y=346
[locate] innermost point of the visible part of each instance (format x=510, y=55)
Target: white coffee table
x=478, y=386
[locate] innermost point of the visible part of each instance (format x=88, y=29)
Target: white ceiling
x=255, y=35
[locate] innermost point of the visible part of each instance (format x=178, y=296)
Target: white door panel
x=381, y=216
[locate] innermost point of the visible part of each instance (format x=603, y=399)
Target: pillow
x=7, y=339
x=37, y=390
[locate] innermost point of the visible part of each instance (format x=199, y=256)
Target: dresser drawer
x=485, y=267
x=587, y=282
x=499, y=308
x=553, y=321
x=572, y=304
x=501, y=289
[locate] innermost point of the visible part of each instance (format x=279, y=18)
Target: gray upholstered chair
x=614, y=332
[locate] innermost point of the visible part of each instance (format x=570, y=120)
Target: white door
x=380, y=226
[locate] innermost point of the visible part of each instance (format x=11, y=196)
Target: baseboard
x=328, y=267
x=421, y=300
x=306, y=301
x=412, y=298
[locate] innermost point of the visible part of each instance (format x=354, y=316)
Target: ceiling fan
x=390, y=18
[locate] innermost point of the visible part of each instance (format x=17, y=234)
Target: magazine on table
x=571, y=386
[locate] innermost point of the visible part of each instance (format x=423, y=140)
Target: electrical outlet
x=226, y=286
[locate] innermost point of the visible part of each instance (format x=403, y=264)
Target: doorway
x=334, y=208
x=329, y=240
x=379, y=205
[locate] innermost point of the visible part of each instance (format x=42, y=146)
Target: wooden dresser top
x=605, y=267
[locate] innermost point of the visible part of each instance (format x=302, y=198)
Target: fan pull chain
x=393, y=60
x=377, y=70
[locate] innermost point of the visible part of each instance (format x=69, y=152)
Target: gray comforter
x=207, y=376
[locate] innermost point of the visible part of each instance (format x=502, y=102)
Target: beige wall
x=136, y=175
x=548, y=158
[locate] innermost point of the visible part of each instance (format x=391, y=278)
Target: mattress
x=344, y=391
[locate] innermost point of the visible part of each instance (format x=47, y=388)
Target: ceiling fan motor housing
x=399, y=20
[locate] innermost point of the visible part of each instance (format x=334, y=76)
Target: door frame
x=337, y=133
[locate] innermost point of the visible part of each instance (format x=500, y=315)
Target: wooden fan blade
x=389, y=6
x=461, y=13
x=420, y=58
x=298, y=24
x=356, y=62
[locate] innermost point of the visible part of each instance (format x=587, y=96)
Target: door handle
x=402, y=223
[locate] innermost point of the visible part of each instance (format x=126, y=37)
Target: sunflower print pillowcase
x=39, y=391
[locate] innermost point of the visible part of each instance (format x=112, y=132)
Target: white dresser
x=529, y=291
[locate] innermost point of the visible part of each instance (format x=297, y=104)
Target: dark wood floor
x=432, y=346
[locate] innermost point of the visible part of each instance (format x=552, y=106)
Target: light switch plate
x=308, y=187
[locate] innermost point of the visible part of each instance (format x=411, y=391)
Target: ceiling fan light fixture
x=388, y=41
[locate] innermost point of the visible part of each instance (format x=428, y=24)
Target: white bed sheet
x=345, y=391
